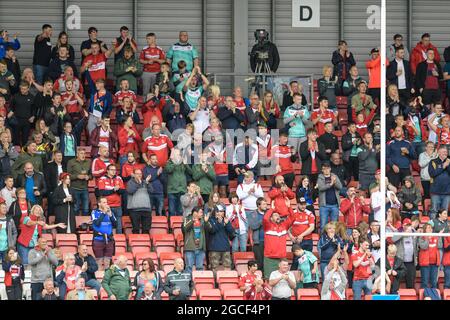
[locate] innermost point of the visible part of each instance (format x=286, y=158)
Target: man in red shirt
x=112, y=188
x=284, y=157
x=95, y=63
x=129, y=167
x=303, y=222
x=99, y=165
x=151, y=58
x=362, y=263
x=428, y=75
x=280, y=195
x=253, y=285
x=129, y=140
x=353, y=208
x=124, y=92
x=322, y=116
x=158, y=144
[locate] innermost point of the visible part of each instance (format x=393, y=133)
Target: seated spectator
x=191, y=199
x=256, y=112
x=175, y=117
x=253, y=285
x=64, y=202
x=148, y=275
x=395, y=268
x=49, y=292
x=303, y=225
x=8, y=193
x=245, y=158
x=86, y=261
x=361, y=101
x=353, y=209
x=33, y=182
x=14, y=272
x=296, y=118
x=237, y=216
x=334, y=280
x=439, y=170
x=194, y=232
x=342, y=60
x=410, y=197
x=124, y=92
x=428, y=75
x=329, y=243
x=79, y=170
x=59, y=64
x=67, y=274
x=329, y=186
x=420, y=51
x=281, y=195
x=282, y=281
x=312, y=153
x=117, y=280
x=429, y=259
x=407, y=252
x=363, y=263
x=194, y=89
x=80, y=292
x=128, y=109
x=273, y=109
x=103, y=135
x=329, y=85
x=128, y=67
x=176, y=172
x=138, y=202
x=163, y=82
x=305, y=262
x=179, y=283
x=399, y=153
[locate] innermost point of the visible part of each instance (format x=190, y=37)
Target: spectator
x=204, y=175
x=41, y=259
x=399, y=153
x=129, y=140
x=86, y=45
x=245, y=158
x=429, y=259
x=284, y=155
x=363, y=263
x=66, y=275
x=342, y=60
x=280, y=195
x=7, y=80
x=334, y=281
x=8, y=193
x=8, y=155
x=248, y=192
x=399, y=74
x=191, y=199
x=303, y=225
x=306, y=263
x=63, y=200
x=138, y=202
x=179, y=283
x=439, y=188
x=28, y=77
x=416, y=128
x=60, y=63
x=104, y=136
x=100, y=103
x=6, y=42
x=148, y=275
x=158, y=144
x=255, y=223
x=86, y=261
x=61, y=86
x=194, y=232
x=12, y=64
x=368, y=156
x=213, y=201
x=68, y=139
x=272, y=108
x=79, y=170
x=80, y=292
x=396, y=107
x=180, y=77
x=22, y=109
x=428, y=75
x=339, y=170
x=329, y=243
x=407, y=252
x=63, y=40
x=42, y=53
x=419, y=52
x=253, y=285
x=322, y=116
x=33, y=182
x=361, y=102
x=117, y=280
x=218, y=154
x=103, y=222
x=329, y=87
x=236, y=214
x=282, y=281
x=20, y=208
x=395, y=268
x=127, y=67
x=176, y=181
x=156, y=181
x=14, y=273
x=49, y=292
x=122, y=43
x=353, y=209
x=350, y=88
x=393, y=48
x=151, y=58
x=220, y=232
x=256, y=112
x=28, y=155
x=112, y=188
x=8, y=232
x=124, y=92
x=328, y=185
x=329, y=141
x=165, y=86
x=410, y=197
x=434, y=119
x=183, y=50
x=306, y=191
x=129, y=167
x=374, y=69
x=148, y=293
x=312, y=153
x=296, y=117
x=230, y=116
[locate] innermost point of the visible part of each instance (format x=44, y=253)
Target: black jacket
x=289, y=101
x=274, y=57
x=347, y=144
x=14, y=67
x=51, y=176
x=391, y=73
x=329, y=141
x=421, y=73
x=41, y=104
x=16, y=214
x=39, y=182
x=340, y=62
x=229, y=119
x=55, y=70
x=92, y=265
x=23, y=105
x=305, y=155
x=64, y=211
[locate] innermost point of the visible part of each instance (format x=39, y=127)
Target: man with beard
x=399, y=153
x=280, y=195
x=255, y=223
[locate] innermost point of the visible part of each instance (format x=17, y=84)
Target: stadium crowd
x=136, y=186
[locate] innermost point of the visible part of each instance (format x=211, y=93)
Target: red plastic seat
x=69, y=239
x=407, y=294
x=308, y=294
x=176, y=222
x=203, y=280
x=139, y=256
x=67, y=249
x=210, y=294
x=79, y=220
x=233, y=294
x=49, y=238
x=163, y=243
x=99, y=275
x=159, y=225
x=227, y=280
x=168, y=258
x=86, y=239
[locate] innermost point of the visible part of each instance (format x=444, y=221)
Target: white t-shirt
x=401, y=78
x=282, y=289
x=201, y=122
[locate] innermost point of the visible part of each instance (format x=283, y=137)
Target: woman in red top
x=272, y=108
x=14, y=275
x=20, y=208
x=429, y=259
x=129, y=140
x=442, y=130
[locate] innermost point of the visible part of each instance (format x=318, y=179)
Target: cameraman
x=264, y=52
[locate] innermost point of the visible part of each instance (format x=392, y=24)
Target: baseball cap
x=219, y=208
x=262, y=124
x=374, y=50
x=407, y=222
x=301, y=200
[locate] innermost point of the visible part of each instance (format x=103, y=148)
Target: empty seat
x=49, y=238
x=176, y=222
x=86, y=239
x=79, y=220
x=203, y=280
x=139, y=256
x=69, y=239
x=159, y=225
x=227, y=280
x=308, y=294
x=210, y=294
x=407, y=294
x=233, y=294
x=139, y=242
x=240, y=260
x=163, y=243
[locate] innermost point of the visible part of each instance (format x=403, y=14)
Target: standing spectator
x=63, y=40
x=237, y=216
x=42, y=53
x=342, y=60
x=176, y=181
x=220, y=232
x=154, y=174
x=362, y=102
x=429, y=259
x=148, y=275
x=179, y=283
x=368, y=157
x=111, y=186
x=255, y=223
x=399, y=153
x=281, y=195
x=439, y=171
x=41, y=259
x=407, y=252
x=204, y=175
x=103, y=135
x=248, y=192
x=61, y=86
x=8, y=233
x=306, y=263
x=125, y=40
x=329, y=141
x=305, y=190
x=350, y=143
x=328, y=185
x=282, y=281
x=350, y=88
x=329, y=87
x=399, y=73
x=59, y=64
x=353, y=209
x=284, y=155
x=7, y=80
x=253, y=285
x=28, y=155
x=395, y=268
x=303, y=224
x=83, y=258
x=191, y=199
x=392, y=49
x=86, y=45
x=424, y=160
x=33, y=182
x=329, y=243
x=312, y=153
x=183, y=50
x=296, y=117
x=334, y=280
x=6, y=42
x=428, y=75
x=363, y=263
x=245, y=158
x=410, y=197
x=419, y=52
x=49, y=291
x=103, y=222
x=322, y=116
x=374, y=69
x=20, y=208
x=151, y=58
x=79, y=170
x=13, y=65
x=64, y=204
x=8, y=193
x=117, y=280
x=22, y=109
x=8, y=155
x=68, y=140
x=80, y=292
x=128, y=67
x=194, y=232
x=129, y=139
x=158, y=144
x=288, y=95
x=138, y=202
x=14, y=274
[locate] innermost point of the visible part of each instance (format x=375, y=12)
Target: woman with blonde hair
x=28, y=76
x=272, y=108
x=63, y=40
x=393, y=101
x=215, y=100
x=328, y=245
x=328, y=86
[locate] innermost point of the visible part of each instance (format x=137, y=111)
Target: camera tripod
x=259, y=82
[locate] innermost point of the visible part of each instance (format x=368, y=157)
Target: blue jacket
x=394, y=155
x=327, y=248
x=103, y=225
x=155, y=181
x=219, y=235
x=440, y=177
x=3, y=44
x=106, y=101
x=255, y=221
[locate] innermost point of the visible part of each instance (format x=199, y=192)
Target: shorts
x=103, y=249
x=216, y=257
x=221, y=181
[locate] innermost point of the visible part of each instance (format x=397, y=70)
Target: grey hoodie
x=411, y=195
x=41, y=265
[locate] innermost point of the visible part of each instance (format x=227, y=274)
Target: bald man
x=117, y=280
x=179, y=283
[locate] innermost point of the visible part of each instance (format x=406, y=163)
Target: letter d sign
x=306, y=13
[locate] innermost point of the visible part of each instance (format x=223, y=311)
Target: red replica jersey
x=13, y=273
x=275, y=237
x=280, y=198
x=220, y=163
x=128, y=169
x=361, y=272
x=152, y=108
x=108, y=184
x=282, y=154
x=326, y=116
x=431, y=255
x=126, y=143
x=99, y=169
x=443, y=135
x=159, y=146
x=264, y=146
x=73, y=106
x=119, y=95
x=149, y=53
x=98, y=68
x=301, y=221
x=247, y=280
x=60, y=84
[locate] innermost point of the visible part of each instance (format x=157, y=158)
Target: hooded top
x=411, y=195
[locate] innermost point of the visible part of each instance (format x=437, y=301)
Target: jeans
x=92, y=123
x=194, y=258
x=36, y=290
x=2, y=255
x=358, y=286
x=323, y=265
x=175, y=207
x=157, y=202
x=447, y=277
x=94, y=284
x=39, y=73
x=81, y=201
x=439, y=202
x=326, y=212
x=240, y=242
x=117, y=211
x=429, y=275
x=23, y=253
